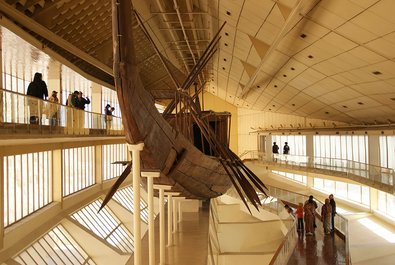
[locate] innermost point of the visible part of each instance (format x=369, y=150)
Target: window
x=27, y=184
x=72, y=81
x=297, y=143
x=386, y=203
x=113, y=153
x=105, y=225
x=387, y=151
x=109, y=96
x=125, y=198
x=296, y=177
x=56, y=247
x=78, y=169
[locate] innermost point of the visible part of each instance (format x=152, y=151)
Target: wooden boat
x=172, y=141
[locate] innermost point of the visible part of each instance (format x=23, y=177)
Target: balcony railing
x=385, y=177
x=25, y=114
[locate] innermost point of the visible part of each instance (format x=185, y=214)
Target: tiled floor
x=319, y=249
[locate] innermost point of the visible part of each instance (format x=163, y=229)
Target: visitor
x=53, y=108
x=309, y=216
x=326, y=213
x=299, y=215
x=333, y=204
x=37, y=89
x=286, y=149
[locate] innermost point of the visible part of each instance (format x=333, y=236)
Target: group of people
x=38, y=89
x=306, y=213
x=276, y=148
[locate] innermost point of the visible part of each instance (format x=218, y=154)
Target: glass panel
x=354, y=192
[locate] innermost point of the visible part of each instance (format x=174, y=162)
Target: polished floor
x=319, y=249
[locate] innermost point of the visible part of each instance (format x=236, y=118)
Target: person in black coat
x=81, y=101
x=333, y=204
x=38, y=89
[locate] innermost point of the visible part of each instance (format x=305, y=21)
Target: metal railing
x=373, y=173
x=26, y=114
x=341, y=223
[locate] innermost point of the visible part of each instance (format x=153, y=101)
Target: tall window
x=110, y=97
x=125, y=198
x=17, y=75
x=386, y=203
x=347, y=191
x=354, y=148
x=78, y=169
x=27, y=184
x=56, y=247
x=72, y=81
x=387, y=151
x=113, y=153
x=297, y=143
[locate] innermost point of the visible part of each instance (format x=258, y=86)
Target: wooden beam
x=49, y=35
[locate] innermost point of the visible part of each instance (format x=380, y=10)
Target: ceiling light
x=226, y=44
x=303, y=35
x=223, y=68
x=225, y=60
x=274, y=105
x=270, y=109
x=258, y=86
x=311, y=56
x=293, y=105
x=275, y=85
x=226, y=34
x=228, y=13
x=377, y=73
x=360, y=103
x=344, y=106
x=392, y=99
x=326, y=112
x=293, y=69
x=285, y=75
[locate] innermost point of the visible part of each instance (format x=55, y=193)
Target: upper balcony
x=371, y=175
x=22, y=116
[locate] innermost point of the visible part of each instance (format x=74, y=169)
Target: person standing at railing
x=286, y=149
x=299, y=215
x=275, y=149
x=333, y=204
x=309, y=216
x=108, y=110
x=326, y=213
x=54, y=108
x=81, y=102
x=38, y=89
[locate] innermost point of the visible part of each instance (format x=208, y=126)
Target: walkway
x=371, y=240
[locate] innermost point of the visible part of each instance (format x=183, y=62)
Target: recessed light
x=212, y=79
x=344, y=106
x=303, y=35
x=270, y=109
x=226, y=44
x=285, y=75
x=274, y=105
x=311, y=56
x=392, y=99
x=326, y=112
x=275, y=85
x=223, y=68
x=225, y=60
x=360, y=103
x=258, y=86
x=293, y=105
x=293, y=69
x=226, y=34
x=377, y=73
x=228, y=13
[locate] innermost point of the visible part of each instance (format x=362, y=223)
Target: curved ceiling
x=330, y=59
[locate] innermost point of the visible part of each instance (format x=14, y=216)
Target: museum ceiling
x=328, y=59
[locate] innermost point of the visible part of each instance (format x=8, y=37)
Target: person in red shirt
x=299, y=215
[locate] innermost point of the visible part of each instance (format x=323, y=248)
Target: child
x=299, y=215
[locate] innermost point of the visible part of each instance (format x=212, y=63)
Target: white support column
x=162, y=189
x=169, y=216
x=177, y=211
x=135, y=149
x=151, y=231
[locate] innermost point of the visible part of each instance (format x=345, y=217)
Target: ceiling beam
x=292, y=19
x=32, y=25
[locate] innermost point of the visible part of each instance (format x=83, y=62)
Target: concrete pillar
x=170, y=216
x=98, y=164
x=135, y=149
x=54, y=79
x=269, y=145
x=96, y=100
x=374, y=150
x=57, y=184
x=162, y=189
x=310, y=145
x=177, y=209
x=151, y=231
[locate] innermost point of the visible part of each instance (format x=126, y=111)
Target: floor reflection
x=319, y=249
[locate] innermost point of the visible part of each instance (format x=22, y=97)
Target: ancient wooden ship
x=189, y=146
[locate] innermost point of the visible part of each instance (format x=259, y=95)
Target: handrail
x=370, y=172
x=341, y=223
x=38, y=115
